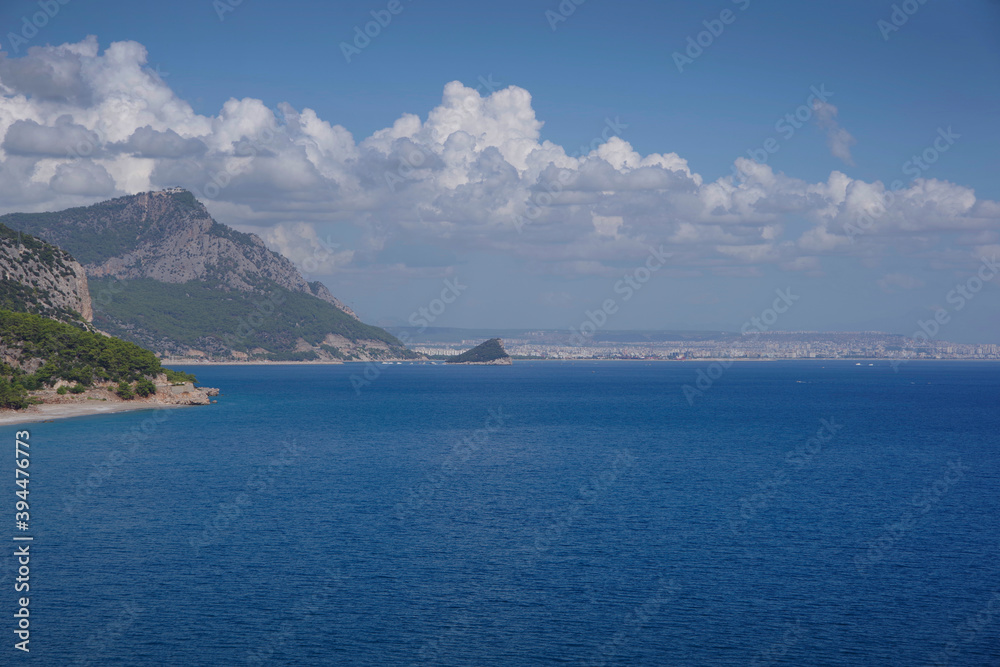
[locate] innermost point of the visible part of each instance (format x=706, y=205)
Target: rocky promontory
x=165, y=393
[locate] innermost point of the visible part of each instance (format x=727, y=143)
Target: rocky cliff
x=170, y=237
x=36, y=277
x=167, y=276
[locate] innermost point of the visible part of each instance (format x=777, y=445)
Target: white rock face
x=182, y=244
x=57, y=281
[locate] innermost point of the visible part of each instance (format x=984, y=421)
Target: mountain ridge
x=177, y=241
x=173, y=279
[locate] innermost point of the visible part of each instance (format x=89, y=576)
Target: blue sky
x=387, y=250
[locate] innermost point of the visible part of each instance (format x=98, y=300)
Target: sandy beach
x=48, y=412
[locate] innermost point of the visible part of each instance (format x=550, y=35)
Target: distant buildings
x=772, y=345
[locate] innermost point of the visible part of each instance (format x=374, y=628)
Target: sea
x=545, y=513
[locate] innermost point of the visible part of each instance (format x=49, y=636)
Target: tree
x=145, y=387
x=124, y=391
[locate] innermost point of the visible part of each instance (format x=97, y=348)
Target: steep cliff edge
x=167, y=276
x=168, y=236
x=36, y=277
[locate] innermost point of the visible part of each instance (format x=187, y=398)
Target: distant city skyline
x=527, y=165
x=690, y=346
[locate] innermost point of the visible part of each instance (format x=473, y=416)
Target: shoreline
x=52, y=411
x=442, y=363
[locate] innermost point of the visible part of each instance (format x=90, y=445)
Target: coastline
x=196, y=362
x=103, y=400
x=417, y=362
x=51, y=411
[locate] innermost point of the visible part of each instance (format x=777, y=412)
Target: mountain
x=47, y=344
x=167, y=276
x=490, y=352
x=40, y=278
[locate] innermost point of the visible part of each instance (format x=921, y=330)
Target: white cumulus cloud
x=78, y=124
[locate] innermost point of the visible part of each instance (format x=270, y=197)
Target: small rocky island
x=489, y=353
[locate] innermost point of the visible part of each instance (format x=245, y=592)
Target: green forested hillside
x=91, y=233
x=206, y=316
x=66, y=353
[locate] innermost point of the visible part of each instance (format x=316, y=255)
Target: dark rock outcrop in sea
x=489, y=353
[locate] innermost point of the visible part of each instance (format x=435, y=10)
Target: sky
x=680, y=161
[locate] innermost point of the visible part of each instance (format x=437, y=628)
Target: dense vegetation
x=488, y=351
x=91, y=233
x=66, y=352
x=205, y=315
x=79, y=229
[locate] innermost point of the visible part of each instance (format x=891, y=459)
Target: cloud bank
x=79, y=125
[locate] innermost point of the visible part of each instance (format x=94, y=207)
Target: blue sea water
x=548, y=513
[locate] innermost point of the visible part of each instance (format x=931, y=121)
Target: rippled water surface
x=808, y=513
